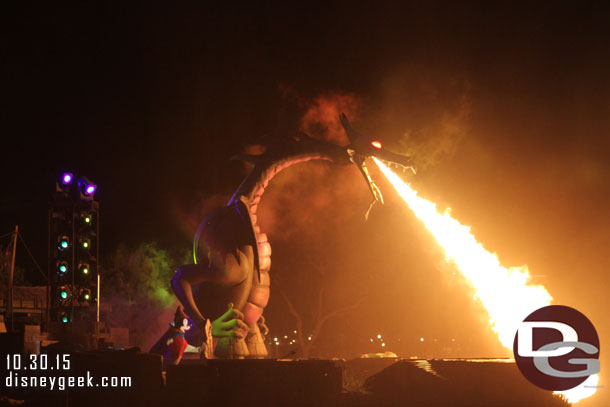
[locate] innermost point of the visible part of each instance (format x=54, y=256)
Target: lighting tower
x=73, y=250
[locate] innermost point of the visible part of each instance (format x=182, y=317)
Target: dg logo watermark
x=557, y=348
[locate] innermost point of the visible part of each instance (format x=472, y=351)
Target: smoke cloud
x=321, y=119
x=136, y=285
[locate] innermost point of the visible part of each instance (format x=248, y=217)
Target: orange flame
x=504, y=292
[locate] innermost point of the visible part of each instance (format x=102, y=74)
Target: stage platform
x=441, y=382
x=358, y=382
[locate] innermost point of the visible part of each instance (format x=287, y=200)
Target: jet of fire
x=504, y=292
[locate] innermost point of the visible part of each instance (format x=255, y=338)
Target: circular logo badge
x=556, y=348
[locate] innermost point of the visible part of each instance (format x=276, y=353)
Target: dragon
x=232, y=257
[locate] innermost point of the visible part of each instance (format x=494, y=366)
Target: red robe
x=177, y=347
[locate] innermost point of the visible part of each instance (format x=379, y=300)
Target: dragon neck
x=273, y=161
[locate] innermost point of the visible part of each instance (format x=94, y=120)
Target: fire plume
x=505, y=292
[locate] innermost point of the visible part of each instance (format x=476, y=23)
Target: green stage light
x=63, y=242
x=63, y=293
x=63, y=317
x=86, y=218
x=62, y=267
x=85, y=244
x=85, y=295
x=84, y=269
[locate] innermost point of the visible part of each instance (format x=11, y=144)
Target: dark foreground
x=359, y=382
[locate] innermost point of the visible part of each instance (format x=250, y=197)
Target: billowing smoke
x=422, y=113
x=412, y=128
x=429, y=145
x=136, y=284
x=320, y=120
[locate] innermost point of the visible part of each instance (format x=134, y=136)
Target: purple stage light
x=86, y=188
x=66, y=178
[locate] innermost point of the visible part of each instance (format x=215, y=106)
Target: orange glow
x=376, y=144
x=505, y=292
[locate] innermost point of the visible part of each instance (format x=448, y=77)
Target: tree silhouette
x=320, y=313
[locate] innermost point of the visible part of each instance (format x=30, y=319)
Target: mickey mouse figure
x=176, y=344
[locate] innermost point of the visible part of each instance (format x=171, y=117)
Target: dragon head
x=362, y=147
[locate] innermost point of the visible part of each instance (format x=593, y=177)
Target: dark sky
x=507, y=105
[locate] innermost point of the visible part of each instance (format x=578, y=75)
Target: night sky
x=505, y=107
